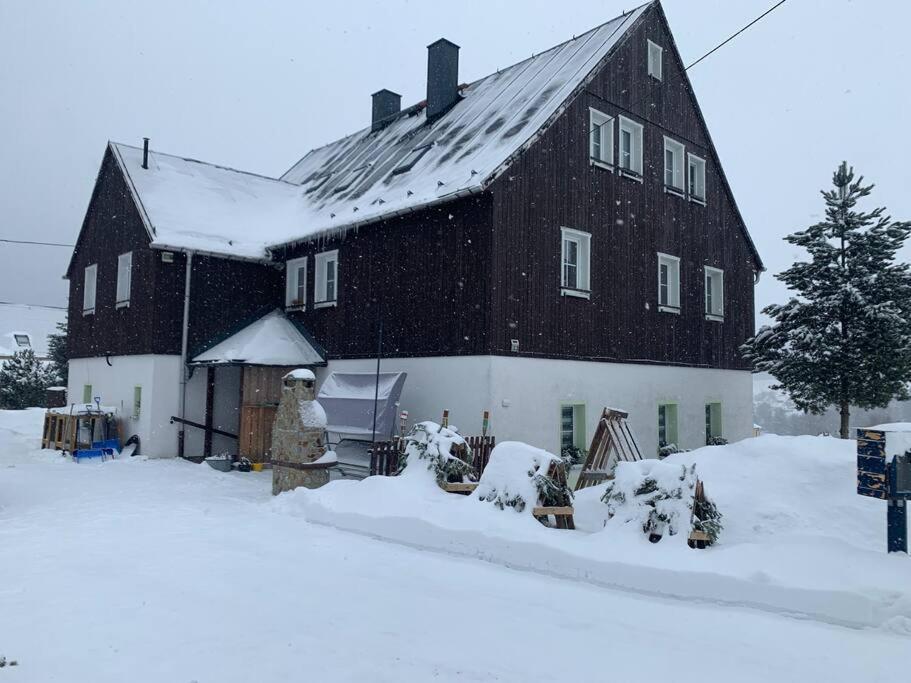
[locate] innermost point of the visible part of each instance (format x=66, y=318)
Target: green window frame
x=137, y=401
x=87, y=393
x=667, y=425
x=713, y=426
x=572, y=426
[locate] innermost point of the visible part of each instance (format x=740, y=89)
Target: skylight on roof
x=318, y=182
x=413, y=157
x=22, y=340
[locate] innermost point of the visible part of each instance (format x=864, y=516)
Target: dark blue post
x=897, y=524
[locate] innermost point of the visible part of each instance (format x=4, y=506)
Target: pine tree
x=23, y=381
x=56, y=347
x=845, y=338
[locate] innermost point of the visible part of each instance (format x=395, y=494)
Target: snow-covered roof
x=354, y=180
x=271, y=340
x=187, y=204
x=33, y=322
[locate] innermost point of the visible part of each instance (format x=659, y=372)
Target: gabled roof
x=370, y=175
x=37, y=322
x=271, y=340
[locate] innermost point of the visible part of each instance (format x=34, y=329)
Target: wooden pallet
x=562, y=514
x=613, y=441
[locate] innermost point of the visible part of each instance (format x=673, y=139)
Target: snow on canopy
x=33, y=322
x=369, y=175
x=271, y=340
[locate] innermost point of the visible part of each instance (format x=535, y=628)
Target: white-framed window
x=88, y=289
x=668, y=283
x=712, y=421
x=630, y=146
x=601, y=137
x=575, y=261
x=673, y=165
x=296, y=283
x=696, y=176
x=22, y=340
x=124, y=277
x=667, y=425
x=655, y=60
x=325, y=290
x=572, y=426
x=137, y=401
x=714, y=293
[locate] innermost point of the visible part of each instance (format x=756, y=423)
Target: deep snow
x=167, y=571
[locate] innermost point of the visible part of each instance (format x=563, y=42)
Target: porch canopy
x=348, y=397
x=271, y=340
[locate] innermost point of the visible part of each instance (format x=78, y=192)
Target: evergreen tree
x=24, y=380
x=56, y=346
x=845, y=338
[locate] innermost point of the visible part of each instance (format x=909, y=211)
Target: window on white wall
x=88, y=289
x=630, y=146
x=124, y=277
x=137, y=402
x=296, y=283
x=326, y=273
x=673, y=165
x=696, y=174
x=575, y=263
x=601, y=137
x=668, y=283
x=86, y=393
x=712, y=422
x=655, y=60
x=667, y=425
x=572, y=426
x=714, y=293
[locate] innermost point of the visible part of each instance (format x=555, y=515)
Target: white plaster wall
x=226, y=412
x=159, y=377
x=524, y=395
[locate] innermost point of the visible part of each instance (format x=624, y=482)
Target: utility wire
x=42, y=244
x=730, y=38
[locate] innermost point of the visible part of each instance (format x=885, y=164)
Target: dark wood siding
x=553, y=184
x=151, y=323
x=428, y=270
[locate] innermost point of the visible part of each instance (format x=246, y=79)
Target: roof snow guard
x=271, y=340
x=381, y=171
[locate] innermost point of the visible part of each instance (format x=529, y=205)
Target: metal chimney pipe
x=145, y=152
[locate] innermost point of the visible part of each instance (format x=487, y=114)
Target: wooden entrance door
x=261, y=390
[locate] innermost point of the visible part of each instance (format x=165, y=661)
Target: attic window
x=318, y=182
x=413, y=157
x=22, y=340
x=655, y=59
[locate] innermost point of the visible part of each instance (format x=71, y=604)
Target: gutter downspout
x=183, y=355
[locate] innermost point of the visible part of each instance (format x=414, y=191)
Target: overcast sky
x=255, y=85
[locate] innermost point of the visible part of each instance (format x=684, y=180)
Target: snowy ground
x=167, y=571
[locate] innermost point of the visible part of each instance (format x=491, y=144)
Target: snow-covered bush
x=446, y=453
x=716, y=441
x=572, y=455
x=517, y=476
x=659, y=497
x=666, y=449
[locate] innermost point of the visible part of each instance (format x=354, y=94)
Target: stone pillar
x=297, y=436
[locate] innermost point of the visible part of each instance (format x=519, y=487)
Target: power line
x=42, y=244
x=730, y=38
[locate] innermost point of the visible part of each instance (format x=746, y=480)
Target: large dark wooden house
x=551, y=239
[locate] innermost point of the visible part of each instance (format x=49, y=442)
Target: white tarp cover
x=347, y=398
x=271, y=340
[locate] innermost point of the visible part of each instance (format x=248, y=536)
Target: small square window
x=326, y=275
x=22, y=340
x=630, y=146
x=601, y=137
x=668, y=283
x=696, y=175
x=673, y=165
x=296, y=283
x=575, y=263
x=714, y=293
x=655, y=59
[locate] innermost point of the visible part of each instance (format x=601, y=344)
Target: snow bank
x=797, y=538
x=513, y=476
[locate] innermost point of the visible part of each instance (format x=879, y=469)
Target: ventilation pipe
x=442, y=77
x=145, y=152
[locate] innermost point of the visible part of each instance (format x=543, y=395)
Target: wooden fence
x=385, y=455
